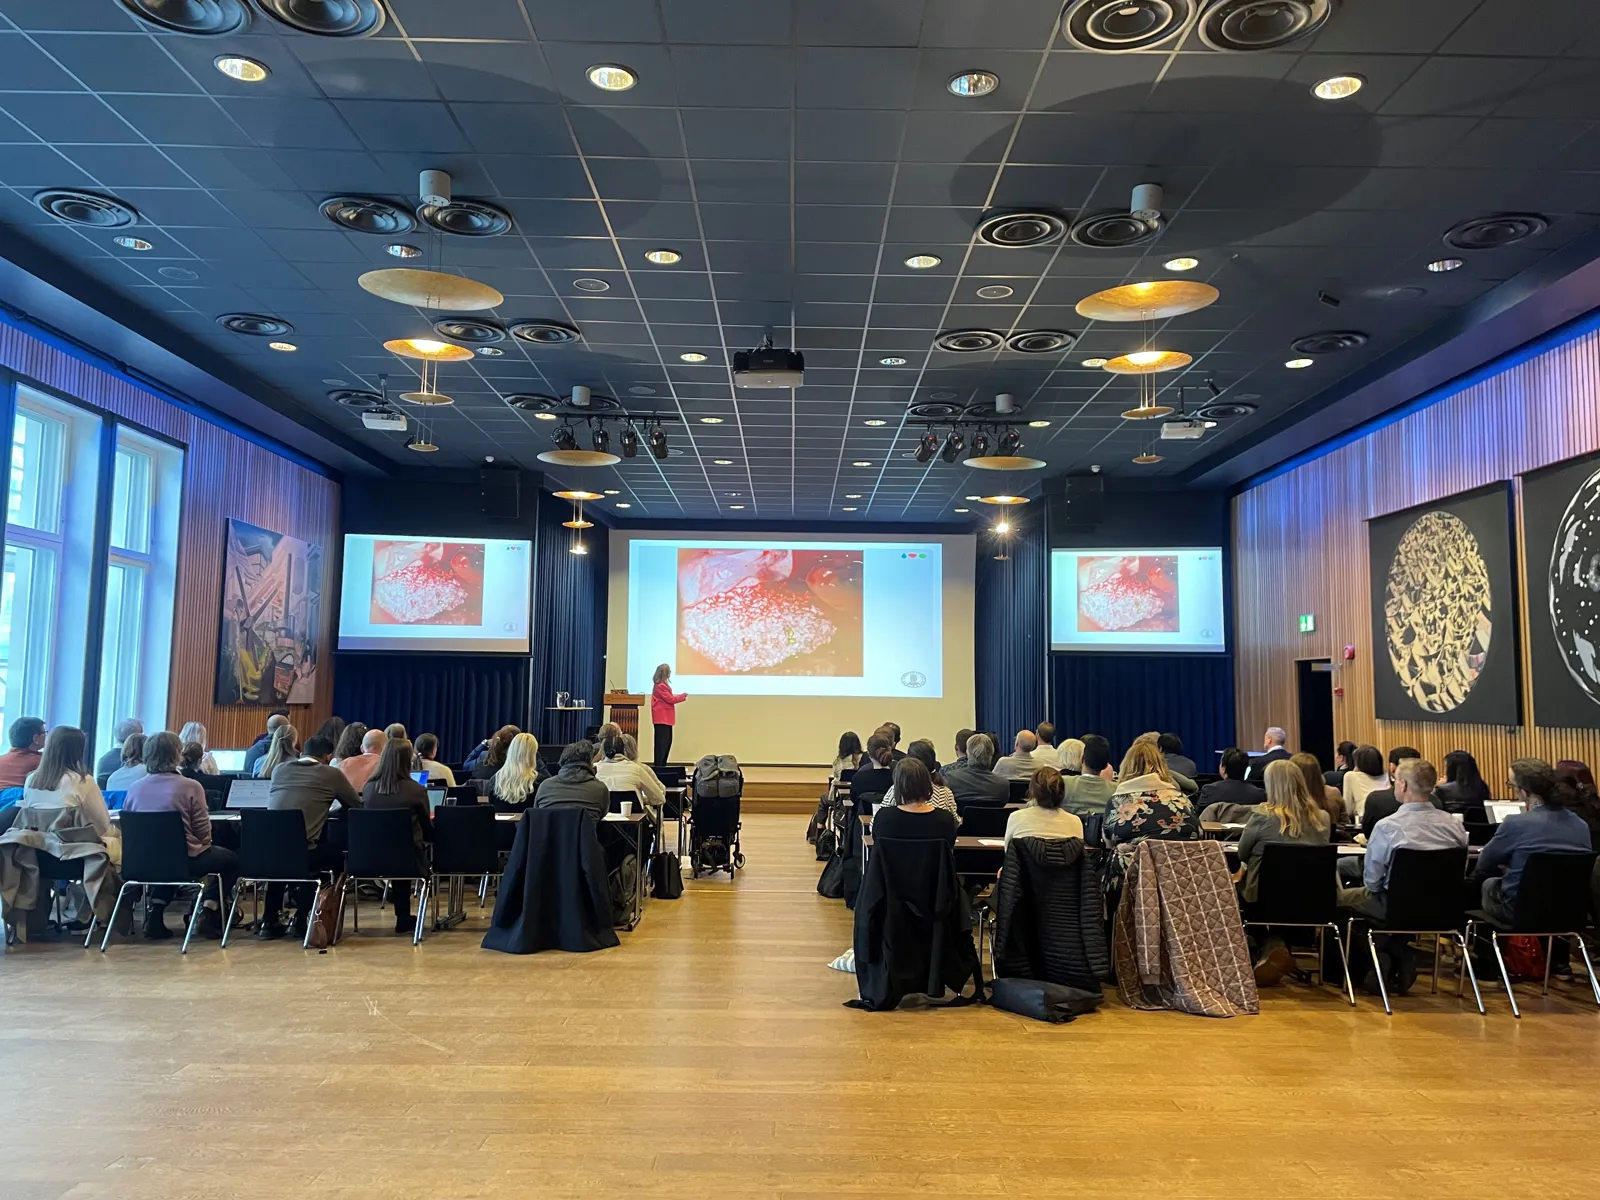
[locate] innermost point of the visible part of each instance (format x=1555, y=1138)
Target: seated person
x=623, y=774
x=875, y=776
x=348, y=744
x=1288, y=814
x=62, y=781
x=1042, y=816
x=849, y=756
x=1045, y=753
x=193, y=731
x=1344, y=758
x=1382, y=802
x=112, y=758
x=1072, y=756
x=891, y=731
x=943, y=797
x=575, y=784
x=132, y=765
x=309, y=784
x=284, y=747
x=358, y=768
x=487, y=764
x=1171, y=747
x=390, y=786
x=1415, y=825
x=27, y=747
x=1147, y=802
x=1464, y=788
x=914, y=814
x=963, y=736
x=1365, y=776
x=1327, y=798
x=1549, y=826
x=189, y=759
x=428, y=760
x=1230, y=799
x=609, y=729
x=1087, y=793
x=976, y=782
x=1019, y=764
x=164, y=789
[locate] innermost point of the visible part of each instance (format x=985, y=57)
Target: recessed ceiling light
x=973, y=497
x=973, y=83
x=848, y=508
x=861, y=464
x=245, y=70
x=852, y=495
x=1182, y=264
x=733, y=495
x=544, y=416
x=874, y=421
x=693, y=357
x=286, y=347
x=663, y=258
x=623, y=504
x=722, y=462
x=490, y=351
x=963, y=510
x=1038, y=424
x=1094, y=362
x=1338, y=87
x=1440, y=266
x=1297, y=364
x=893, y=362
x=613, y=492
x=591, y=285
x=402, y=250
x=921, y=262
x=711, y=420
x=994, y=291
x=132, y=243
x=609, y=77
x=735, y=506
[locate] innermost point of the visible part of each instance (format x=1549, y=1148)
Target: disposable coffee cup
x=627, y=808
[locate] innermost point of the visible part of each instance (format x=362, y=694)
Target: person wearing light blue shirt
x=1547, y=827
x=1416, y=825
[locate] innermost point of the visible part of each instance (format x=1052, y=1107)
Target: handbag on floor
x=1052, y=1002
x=325, y=929
x=666, y=876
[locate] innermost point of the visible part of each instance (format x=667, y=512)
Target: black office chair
x=381, y=849
x=1552, y=901
x=618, y=799
x=272, y=849
x=1423, y=898
x=463, y=845
x=155, y=853
x=1019, y=790
x=1298, y=888
x=463, y=793
x=984, y=820
x=672, y=775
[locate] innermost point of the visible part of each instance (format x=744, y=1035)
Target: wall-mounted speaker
x=1084, y=504
x=500, y=491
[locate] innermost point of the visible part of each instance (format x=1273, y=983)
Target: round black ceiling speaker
x=1116, y=26
x=208, y=18
x=469, y=331
x=1040, y=341
x=367, y=214
x=466, y=218
x=179, y=274
x=1330, y=342
x=1245, y=26
x=1114, y=230
x=86, y=208
x=255, y=325
x=968, y=341
x=1224, y=411
x=934, y=410
x=327, y=18
x=1019, y=229
x=533, y=402
x=355, y=398
x=1492, y=232
x=545, y=333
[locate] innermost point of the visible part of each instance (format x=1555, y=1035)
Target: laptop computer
x=249, y=793
x=228, y=760
x=1498, y=810
x=435, y=798
x=421, y=777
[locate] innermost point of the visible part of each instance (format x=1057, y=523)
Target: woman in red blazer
x=663, y=711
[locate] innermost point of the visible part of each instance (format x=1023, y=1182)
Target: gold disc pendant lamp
x=431, y=288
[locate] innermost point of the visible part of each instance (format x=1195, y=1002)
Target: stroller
x=714, y=816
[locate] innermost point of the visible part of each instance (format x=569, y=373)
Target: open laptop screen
x=1499, y=810
x=228, y=760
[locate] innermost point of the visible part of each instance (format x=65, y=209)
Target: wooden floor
x=710, y=1057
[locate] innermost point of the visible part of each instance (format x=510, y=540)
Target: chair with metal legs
x=463, y=847
x=272, y=849
x=1552, y=901
x=382, y=849
x=1297, y=887
x=155, y=853
x=1423, y=898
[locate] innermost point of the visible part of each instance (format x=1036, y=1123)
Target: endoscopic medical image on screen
x=1128, y=593
x=769, y=612
x=432, y=583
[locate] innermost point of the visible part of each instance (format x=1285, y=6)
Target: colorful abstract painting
x=271, y=615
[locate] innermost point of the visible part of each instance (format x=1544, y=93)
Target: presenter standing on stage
x=663, y=711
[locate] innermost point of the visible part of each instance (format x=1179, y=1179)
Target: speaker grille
x=1117, y=26
x=366, y=214
x=208, y=18
x=469, y=331
x=1331, y=342
x=86, y=208
x=255, y=325
x=1018, y=230
x=1247, y=26
x=934, y=410
x=1039, y=341
x=327, y=18
x=1114, y=230
x=356, y=398
x=968, y=341
x=1224, y=410
x=545, y=333
x=1492, y=232
x=466, y=218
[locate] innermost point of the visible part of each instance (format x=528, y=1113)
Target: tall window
x=32, y=559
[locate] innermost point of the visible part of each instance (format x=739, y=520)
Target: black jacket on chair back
x=553, y=895
x=913, y=930
x=1048, y=921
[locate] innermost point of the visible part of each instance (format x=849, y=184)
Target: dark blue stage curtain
x=1011, y=641
x=569, y=622
x=462, y=698
x=1121, y=696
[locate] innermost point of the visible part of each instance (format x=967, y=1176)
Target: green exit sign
x=1308, y=623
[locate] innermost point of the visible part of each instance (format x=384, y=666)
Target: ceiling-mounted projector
x=384, y=420
x=768, y=368
x=1186, y=430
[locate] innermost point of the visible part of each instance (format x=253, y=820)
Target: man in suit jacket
x=1171, y=747
x=1272, y=743
x=1231, y=789
x=974, y=781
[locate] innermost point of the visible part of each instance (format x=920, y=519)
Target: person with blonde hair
x=284, y=747
x=664, y=710
x=390, y=786
x=1147, y=801
x=518, y=777
x=1329, y=799
x=1290, y=815
x=193, y=731
x=1071, y=756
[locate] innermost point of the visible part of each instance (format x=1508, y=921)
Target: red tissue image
x=1128, y=593
x=427, y=583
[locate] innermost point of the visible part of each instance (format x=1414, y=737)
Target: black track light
x=953, y=446
x=927, y=447
x=565, y=440
x=629, y=442
x=1010, y=443
x=601, y=440
x=658, y=442
x=1211, y=386
x=980, y=444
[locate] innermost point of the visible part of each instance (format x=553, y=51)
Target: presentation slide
x=445, y=594
x=1137, y=600
x=786, y=617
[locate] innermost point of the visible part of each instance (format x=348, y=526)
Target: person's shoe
x=297, y=928
x=210, y=926
x=1276, y=963
x=1405, y=969
x=155, y=925
x=405, y=925
x=270, y=931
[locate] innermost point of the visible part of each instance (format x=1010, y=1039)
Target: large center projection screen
x=782, y=643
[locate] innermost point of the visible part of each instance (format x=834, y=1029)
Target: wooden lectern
x=624, y=708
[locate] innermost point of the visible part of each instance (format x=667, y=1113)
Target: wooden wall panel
x=224, y=476
x=1300, y=546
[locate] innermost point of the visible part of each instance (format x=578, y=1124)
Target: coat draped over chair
x=1049, y=923
x=66, y=834
x=554, y=893
x=913, y=924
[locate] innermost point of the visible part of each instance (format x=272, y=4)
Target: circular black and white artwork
x=1575, y=587
x=1438, y=612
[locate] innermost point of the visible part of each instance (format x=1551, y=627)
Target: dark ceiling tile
x=854, y=78
x=957, y=137
x=640, y=179
x=404, y=125
x=512, y=73
x=363, y=68
x=1504, y=27
x=26, y=68
x=843, y=183
x=839, y=223
x=501, y=129
x=723, y=180
x=750, y=77
x=544, y=178
x=1462, y=86
x=1000, y=24
x=229, y=168
x=581, y=255
x=714, y=21
x=722, y=133
x=302, y=124
x=626, y=132
x=864, y=136
x=40, y=166
x=332, y=172
x=66, y=118
x=177, y=121
x=128, y=166
x=481, y=19
x=117, y=63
